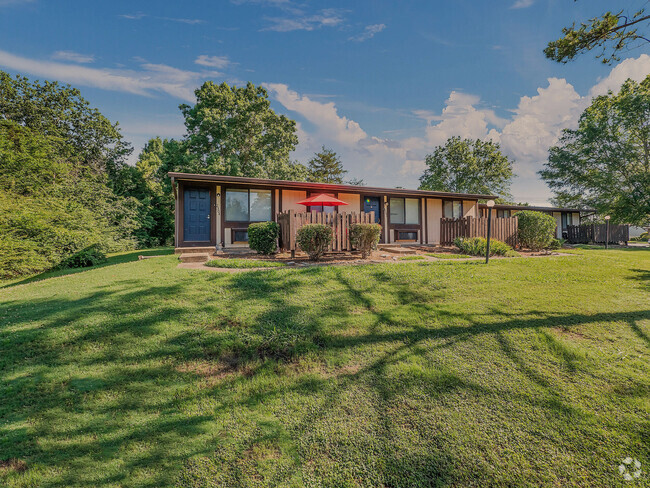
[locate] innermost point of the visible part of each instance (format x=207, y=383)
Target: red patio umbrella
x=322, y=199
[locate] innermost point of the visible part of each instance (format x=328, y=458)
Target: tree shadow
x=90, y=378
x=120, y=258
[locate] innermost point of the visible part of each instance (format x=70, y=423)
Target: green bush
x=556, y=243
x=263, y=237
x=90, y=256
x=477, y=246
x=314, y=239
x=536, y=229
x=365, y=237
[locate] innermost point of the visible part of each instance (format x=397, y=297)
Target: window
x=248, y=205
x=322, y=208
x=404, y=211
x=239, y=235
x=567, y=219
x=501, y=214
x=407, y=235
x=452, y=209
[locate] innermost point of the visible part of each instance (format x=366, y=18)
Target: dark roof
x=500, y=206
x=302, y=185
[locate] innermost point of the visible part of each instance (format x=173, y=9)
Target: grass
x=441, y=255
x=243, y=263
x=525, y=372
x=411, y=258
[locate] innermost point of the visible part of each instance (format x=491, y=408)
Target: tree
x=233, y=131
x=467, y=166
x=83, y=135
x=611, y=31
x=605, y=162
x=326, y=167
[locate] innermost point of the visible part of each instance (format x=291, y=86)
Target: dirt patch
x=212, y=370
x=13, y=464
x=568, y=333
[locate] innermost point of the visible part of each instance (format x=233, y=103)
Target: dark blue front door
x=371, y=204
x=196, y=217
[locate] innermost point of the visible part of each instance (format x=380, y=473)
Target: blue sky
x=380, y=82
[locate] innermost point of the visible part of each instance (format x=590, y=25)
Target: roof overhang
x=305, y=185
x=500, y=206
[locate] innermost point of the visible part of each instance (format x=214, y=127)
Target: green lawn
x=526, y=372
x=243, y=263
x=441, y=255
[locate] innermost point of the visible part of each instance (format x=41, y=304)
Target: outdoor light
x=607, y=217
x=490, y=204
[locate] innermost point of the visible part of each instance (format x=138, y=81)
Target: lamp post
x=490, y=204
x=607, y=217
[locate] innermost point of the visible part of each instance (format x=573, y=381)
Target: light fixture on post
x=490, y=204
x=607, y=217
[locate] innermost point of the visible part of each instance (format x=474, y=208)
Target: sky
x=380, y=82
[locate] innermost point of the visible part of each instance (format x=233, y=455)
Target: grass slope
x=526, y=372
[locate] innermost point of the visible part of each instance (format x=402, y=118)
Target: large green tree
x=82, y=135
x=468, y=166
x=610, y=33
x=233, y=131
x=605, y=162
x=326, y=167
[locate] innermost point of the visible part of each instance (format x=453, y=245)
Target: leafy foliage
x=477, y=246
x=536, y=230
x=314, y=239
x=233, y=131
x=90, y=256
x=467, y=166
x=63, y=184
x=326, y=167
x=611, y=31
x=82, y=134
x=263, y=237
x=605, y=162
x=365, y=237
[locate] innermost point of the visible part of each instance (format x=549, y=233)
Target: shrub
x=536, y=229
x=263, y=237
x=477, y=246
x=314, y=239
x=365, y=237
x=90, y=256
x=556, y=243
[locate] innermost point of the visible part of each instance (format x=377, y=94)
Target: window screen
x=397, y=211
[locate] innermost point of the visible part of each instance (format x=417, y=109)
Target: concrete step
x=194, y=257
x=398, y=250
x=194, y=250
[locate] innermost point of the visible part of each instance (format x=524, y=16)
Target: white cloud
x=142, y=15
x=135, y=16
x=523, y=4
x=73, y=56
x=151, y=79
x=299, y=21
x=368, y=33
x=534, y=126
x=219, y=62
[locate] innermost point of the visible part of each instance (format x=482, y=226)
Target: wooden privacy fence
x=503, y=229
x=290, y=221
x=597, y=233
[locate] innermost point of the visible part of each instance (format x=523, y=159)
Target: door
x=371, y=204
x=196, y=215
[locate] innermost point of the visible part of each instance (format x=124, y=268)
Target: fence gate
x=503, y=229
x=597, y=233
x=290, y=221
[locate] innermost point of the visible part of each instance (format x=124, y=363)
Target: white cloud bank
x=73, y=57
x=147, y=81
x=535, y=125
x=368, y=33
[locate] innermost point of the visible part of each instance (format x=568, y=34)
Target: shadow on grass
x=125, y=257
x=98, y=387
